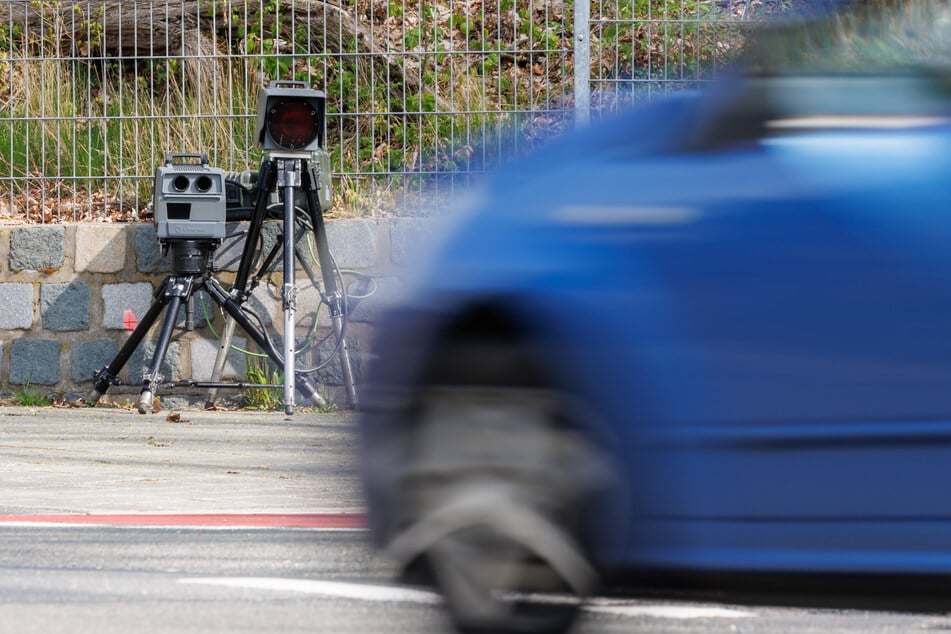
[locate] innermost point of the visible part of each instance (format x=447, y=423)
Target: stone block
x=100, y=248
x=409, y=237
x=265, y=301
x=65, y=307
x=205, y=351
x=142, y=357
x=118, y=298
x=353, y=243
x=308, y=302
x=89, y=357
x=35, y=362
x=16, y=306
x=370, y=297
x=228, y=255
x=37, y=248
x=332, y=374
x=148, y=252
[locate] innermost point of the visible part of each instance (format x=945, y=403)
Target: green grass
x=95, y=120
x=29, y=396
x=260, y=371
x=57, y=127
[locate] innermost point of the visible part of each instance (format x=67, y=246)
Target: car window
x=862, y=36
x=873, y=64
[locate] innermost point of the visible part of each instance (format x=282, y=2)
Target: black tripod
x=287, y=171
x=191, y=266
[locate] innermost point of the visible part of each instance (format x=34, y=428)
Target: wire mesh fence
x=642, y=50
x=422, y=96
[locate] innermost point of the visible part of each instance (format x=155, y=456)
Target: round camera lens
x=203, y=184
x=181, y=183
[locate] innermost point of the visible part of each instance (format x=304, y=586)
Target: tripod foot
x=308, y=388
x=93, y=398
x=145, y=401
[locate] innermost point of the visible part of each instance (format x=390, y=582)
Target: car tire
x=492, y=500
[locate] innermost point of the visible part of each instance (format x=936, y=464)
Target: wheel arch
x=499, y=346
x=505, y=341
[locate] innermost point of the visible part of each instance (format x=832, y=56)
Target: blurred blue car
x=709, y=337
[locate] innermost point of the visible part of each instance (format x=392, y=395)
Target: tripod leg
x=264, y=185
x=266, y=264
x=154, y=376
x=224, y=346
x=335, y=295
x=303, y=383
x=107, y=375
x=346, y=368
x=289, y=177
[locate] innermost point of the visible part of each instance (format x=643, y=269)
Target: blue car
x=706, y=340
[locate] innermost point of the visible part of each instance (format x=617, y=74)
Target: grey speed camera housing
x=189, y=200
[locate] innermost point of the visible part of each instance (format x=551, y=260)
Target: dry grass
x=415, y=96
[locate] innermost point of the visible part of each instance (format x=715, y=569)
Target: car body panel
x=759, y=333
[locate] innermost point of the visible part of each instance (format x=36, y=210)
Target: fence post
x=582, y=31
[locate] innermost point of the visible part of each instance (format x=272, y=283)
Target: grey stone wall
x=71, y=294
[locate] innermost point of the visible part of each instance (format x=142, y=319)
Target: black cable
x=303, y=220
x=343, y=327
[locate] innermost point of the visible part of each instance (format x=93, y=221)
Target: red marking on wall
x=210, y=520
x=129, y=320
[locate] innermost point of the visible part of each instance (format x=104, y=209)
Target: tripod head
x=192, y=257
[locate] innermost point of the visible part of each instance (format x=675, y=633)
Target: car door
x=808, y=410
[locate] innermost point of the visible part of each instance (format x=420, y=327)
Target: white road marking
x=374, y=592
x=358, y=591
x=670, y=611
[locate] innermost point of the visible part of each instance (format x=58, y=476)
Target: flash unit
x=290, y=117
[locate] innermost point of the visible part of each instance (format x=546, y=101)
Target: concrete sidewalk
x=65, y=461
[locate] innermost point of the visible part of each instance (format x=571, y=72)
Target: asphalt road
x=148, y=580
x=115, y=522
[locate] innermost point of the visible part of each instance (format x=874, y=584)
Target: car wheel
x=492, y=499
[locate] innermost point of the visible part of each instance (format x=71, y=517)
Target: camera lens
x=203, y=184
x=180, y=183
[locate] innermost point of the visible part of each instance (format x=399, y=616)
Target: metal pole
x=224, y=347
x=582, y=29
x=289, y=177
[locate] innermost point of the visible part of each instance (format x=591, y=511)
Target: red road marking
x=216, y=520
